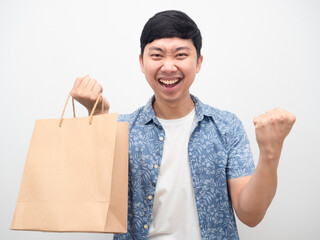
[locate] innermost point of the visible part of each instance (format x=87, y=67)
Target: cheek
x=151, y=69
x=189, y=69
x=148, y=73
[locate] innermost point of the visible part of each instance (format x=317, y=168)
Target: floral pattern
x=218, y=150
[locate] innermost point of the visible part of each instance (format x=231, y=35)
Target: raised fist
x=271, y=130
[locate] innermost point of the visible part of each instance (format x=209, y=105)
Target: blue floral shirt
x=218, y=150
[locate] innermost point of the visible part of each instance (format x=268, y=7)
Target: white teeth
x=169, y=82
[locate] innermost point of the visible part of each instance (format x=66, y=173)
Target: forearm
x=257, y=195
x=252, y=195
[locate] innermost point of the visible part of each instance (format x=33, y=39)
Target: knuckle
x=281, y=118
x=80, y=92
x=75, y=93
x=269, y=112
x=271, y=119
x=78, y=79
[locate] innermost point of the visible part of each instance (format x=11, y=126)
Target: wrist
x=269, y=159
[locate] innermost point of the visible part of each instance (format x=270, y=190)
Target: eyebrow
x=182, y=48
x=153, y=48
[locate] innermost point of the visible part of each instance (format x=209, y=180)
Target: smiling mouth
x=169, y=83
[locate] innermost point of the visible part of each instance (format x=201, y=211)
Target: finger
x=92, y=82
x=285, y=115
x=95, y=92
x=284, y=112
x=275, y=115
x=97, y=88
x=76, y=85
x=291, y=118
x=269, y=112
x=77, y=82
x=256, y=120
x=84, y=82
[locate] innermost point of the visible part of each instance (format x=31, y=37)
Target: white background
x=257, y=55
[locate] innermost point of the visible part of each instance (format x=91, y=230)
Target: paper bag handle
x=74, y=112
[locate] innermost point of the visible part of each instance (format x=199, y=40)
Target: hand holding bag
x=76, y=176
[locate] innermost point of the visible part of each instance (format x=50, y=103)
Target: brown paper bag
x=75, y=177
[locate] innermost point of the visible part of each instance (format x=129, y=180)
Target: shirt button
x=161, y=138
x=156, y=166
x=150, y=197
x=145, y=226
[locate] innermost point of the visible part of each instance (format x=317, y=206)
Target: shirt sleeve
x=240, y=161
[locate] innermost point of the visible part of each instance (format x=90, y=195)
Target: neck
x=173, y=109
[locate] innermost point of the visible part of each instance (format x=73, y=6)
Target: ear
x=199, y=63
x=141, y=63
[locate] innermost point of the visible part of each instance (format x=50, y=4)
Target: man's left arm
x=252, y=195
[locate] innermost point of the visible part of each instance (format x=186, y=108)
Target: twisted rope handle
x=94, y=108
x=74, y=112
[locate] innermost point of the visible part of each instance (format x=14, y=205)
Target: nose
x=169, y=66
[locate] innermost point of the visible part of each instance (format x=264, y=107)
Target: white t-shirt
x=174, y=214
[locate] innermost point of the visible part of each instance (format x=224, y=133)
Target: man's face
x=170, y=66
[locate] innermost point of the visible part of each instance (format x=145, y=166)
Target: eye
x=156, y=56
x=181, y=55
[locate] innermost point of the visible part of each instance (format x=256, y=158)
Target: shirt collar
x=149, y=115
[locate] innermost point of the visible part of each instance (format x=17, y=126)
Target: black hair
x=168, y=24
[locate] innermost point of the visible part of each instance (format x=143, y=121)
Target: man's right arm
x=86, y=91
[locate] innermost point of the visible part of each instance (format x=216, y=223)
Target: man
x=190, y=164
